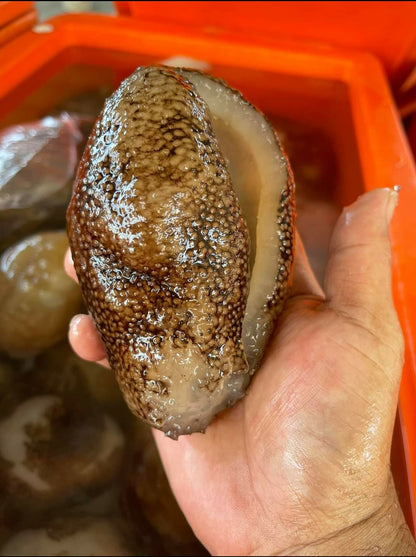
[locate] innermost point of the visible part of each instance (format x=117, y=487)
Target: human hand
x=301, y=465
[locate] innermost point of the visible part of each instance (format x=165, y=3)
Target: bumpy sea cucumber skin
x=284, y=225
x=161, y=251
x=285, y=222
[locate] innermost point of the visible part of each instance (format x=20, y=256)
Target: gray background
x=49, y=9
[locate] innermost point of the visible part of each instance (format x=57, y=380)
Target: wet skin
x=162, y=249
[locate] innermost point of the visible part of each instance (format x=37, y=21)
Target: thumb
x=358, y=277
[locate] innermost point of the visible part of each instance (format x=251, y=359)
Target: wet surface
x=161, y=246
x=37, y=299
x=61, y=408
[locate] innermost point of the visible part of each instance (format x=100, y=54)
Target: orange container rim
x=15, y=17
x=385, y=155
x=9, y=11
x=385, y=28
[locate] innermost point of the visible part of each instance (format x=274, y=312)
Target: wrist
x=384, y=532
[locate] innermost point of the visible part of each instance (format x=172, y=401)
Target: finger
x=85, y=340
x=358, y=274
x=304, y=281
x=69, y=265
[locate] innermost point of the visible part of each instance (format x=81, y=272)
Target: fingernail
x=392, y=202
x=75, y=320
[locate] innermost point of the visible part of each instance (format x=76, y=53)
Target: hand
x=302, y=464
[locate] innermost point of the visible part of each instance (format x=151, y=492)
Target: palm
x=305, y=454
x=282, y=456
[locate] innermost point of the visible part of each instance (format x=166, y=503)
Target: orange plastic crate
x=342, y=93
x=386, y=29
